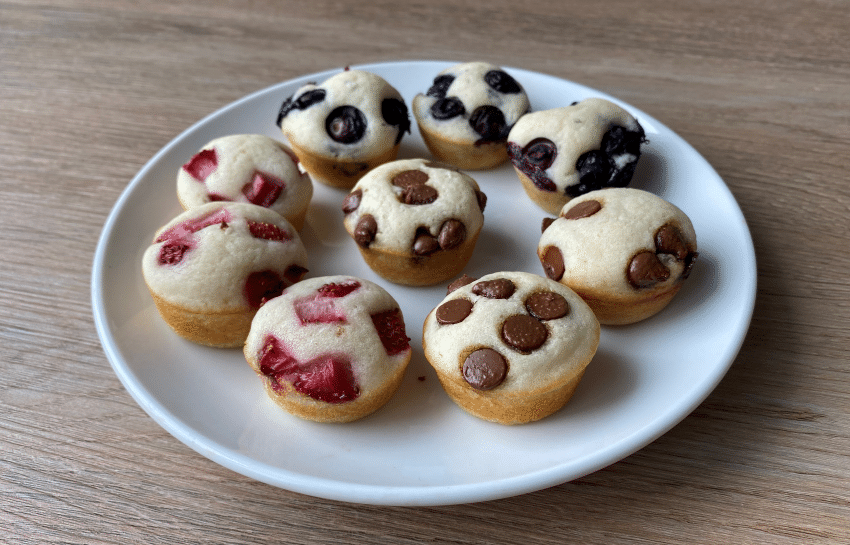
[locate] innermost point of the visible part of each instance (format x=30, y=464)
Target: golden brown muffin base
x=550, y=201
x=303, y=406
x=618, y=310
x=509, y=408
x=464, y=155
x=216, y=329
x=412, y=270
x=339, y=172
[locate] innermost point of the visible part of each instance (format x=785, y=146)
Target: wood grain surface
x=90, y=90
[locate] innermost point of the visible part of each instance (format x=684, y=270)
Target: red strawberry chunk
x=315, y=309
x=390, y=328
x=262, y=286
x=264, y=189
x=202, y=164
x=184, y=230
x=327, y=377
x=267, y=231
x=172, y=253
x=339, y=290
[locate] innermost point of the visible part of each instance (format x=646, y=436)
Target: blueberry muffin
x=250, y=168
x=562, y=153
x=467, y=113
x=415, y=222
x=210, y=269
x=510, y=347
x=330, y=349
x=346, y=126
x=624, y=250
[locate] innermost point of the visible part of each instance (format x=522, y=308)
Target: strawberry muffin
x=330, y=349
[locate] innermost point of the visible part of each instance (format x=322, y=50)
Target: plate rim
x=386, y=494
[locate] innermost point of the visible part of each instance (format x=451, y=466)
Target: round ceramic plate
x=420, y=448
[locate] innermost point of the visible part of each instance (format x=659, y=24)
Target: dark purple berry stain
x=394, y=112
x=305, y=100
x=533, y=160
x=346, y=124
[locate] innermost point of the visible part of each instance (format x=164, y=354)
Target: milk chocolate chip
x=500, y=288
x=408, y=178
x=669, y=240
x=484, y=369
x=418, y=194
x=553, y=263
x=482, y=199
x=365, y=231
x=547, y=305
x=452, y=234
x=524, y=333
x=645, y=270
x=459, y=283
x=352, y=201
x=453, y=312
x=583, y=210
x=546, y=223
x=425, y=243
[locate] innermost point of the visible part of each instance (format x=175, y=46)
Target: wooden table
x=90, y=90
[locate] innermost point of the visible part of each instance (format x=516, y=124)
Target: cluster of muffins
x=509, y=347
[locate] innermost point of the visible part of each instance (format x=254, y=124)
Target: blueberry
x=394, y=112
x=540, y=153
x=441, y=85
x=502, y=82
x=489, y=122
x=306, y=100
x=599, y=168
x=346, y=124
x=533, y=160
x=594, y=171
x=447, y=108
x=618, y=141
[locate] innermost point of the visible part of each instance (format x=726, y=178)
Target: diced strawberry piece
x=327, y=378
x=267, y=231
x=317, y=310
x=171, y=253
x=390, y=328
x=262, y=286
x=184, y=230
x=339, y=290
x=264, y=189
x=202, y=164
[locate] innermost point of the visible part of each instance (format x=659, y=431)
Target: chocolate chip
x=553, y=263
x=418, y=194
x=453, y=312
x=689, y=263
x=425, y=243
x=547, y=305
x=407, y=178
x=459, y=283
x=524, y=333
x=546, y=223
x=352, y=201
x=669, y=240
x=500, y=288
x=484, y=369
x=452, y=234
x=583, y=210
x=645, y=270
x=482, y=199
x=365, y=231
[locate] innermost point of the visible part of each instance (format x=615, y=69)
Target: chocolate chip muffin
x=562, y=153
x=415, y=222
x=467, y=113
x=250, y=168
x=510, y=347
x=624, y=250
x=345, y=126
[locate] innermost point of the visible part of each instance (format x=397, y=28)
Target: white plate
x=420, y=449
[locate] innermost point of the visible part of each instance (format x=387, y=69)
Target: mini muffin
x=562, y=153
x=210, y=269
x=466, y=115
x=510, y=347
x=624, y=250
x=250, y=168
x=415, y=222
x=330, y=349
x=344, y=127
